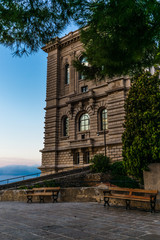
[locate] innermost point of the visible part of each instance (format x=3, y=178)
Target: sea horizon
x=17, y=173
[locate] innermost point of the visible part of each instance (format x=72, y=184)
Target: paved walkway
x=62, y=221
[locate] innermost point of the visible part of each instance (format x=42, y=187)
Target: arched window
x=85, y=63
x=104, y=119
x=65, y=126
x=84, y=122
x=67, y=74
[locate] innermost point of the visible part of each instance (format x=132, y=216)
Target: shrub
x=124, y=181
x=118, y=168
x=100, y=163
x=141, y=137
x=23, y=187
x=50, y=183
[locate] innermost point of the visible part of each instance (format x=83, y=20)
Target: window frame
x=65, y=126
x=86, y=157
x=76, y=158
x=84, y=122
x=85, y=63
x=103, y=119
x=67, y=74
x=84, y=89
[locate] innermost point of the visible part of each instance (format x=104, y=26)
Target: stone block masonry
x=70, y=141
x=78, y=194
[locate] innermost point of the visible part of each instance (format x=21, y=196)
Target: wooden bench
x=130, y=194
x=42, y=193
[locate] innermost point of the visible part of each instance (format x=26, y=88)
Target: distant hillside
x=18, y=170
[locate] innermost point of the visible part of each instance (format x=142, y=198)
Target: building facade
x=83, y=118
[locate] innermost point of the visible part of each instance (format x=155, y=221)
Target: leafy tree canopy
x=25, y=25
x=122, y=37
x=141, y=137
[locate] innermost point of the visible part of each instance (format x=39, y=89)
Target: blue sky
x=22, y=99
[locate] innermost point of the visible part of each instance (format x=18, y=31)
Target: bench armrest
x=153, y=197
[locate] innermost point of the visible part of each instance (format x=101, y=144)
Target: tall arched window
x=104, y=119
x=85, y=63
x=84, y=122
x=67, y=74
x=65, y=129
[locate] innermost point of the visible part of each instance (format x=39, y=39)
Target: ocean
x=15, y=173
x=15, y=178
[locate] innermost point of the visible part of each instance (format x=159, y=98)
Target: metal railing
x=19, y=178
x=34, y=175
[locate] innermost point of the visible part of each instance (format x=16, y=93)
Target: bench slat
x=40, y=194
x=132, y=190
x=130, y=194
x=128, y=198
x=43, y=192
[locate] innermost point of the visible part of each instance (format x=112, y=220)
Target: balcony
x=83, y=143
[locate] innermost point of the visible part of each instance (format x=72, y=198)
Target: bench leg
x=55, y=197
x=127, y=204
x=152, y=205
x=41, y=199
x=106, y=200
x=29, y=199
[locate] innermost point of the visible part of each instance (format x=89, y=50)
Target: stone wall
x=66, y=195
x=91, y=194
x=152, y=177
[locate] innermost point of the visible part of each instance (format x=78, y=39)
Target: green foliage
x=100, y=163
x=27, y=24
x=141, y=137
x=119, y=176
x=24, y=187
x=124, y=181
x=118, y=168
x=49, y=183
x=121, y=37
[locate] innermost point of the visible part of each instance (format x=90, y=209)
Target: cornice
x=81, y=145
x=59, y=43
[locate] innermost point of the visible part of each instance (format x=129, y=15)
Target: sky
x=22, y=102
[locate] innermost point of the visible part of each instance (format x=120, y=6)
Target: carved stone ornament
x=70, y=110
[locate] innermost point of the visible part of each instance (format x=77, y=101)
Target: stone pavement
x=62, y=221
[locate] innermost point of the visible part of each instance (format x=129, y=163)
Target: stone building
x=83, y=118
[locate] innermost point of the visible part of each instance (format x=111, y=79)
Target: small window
x=83, y=61
x=76, y=158
x=84, y=89
x=65, y=127
x=104, y=119
x=84, y=122
x=83, y=136
x=67, y=74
